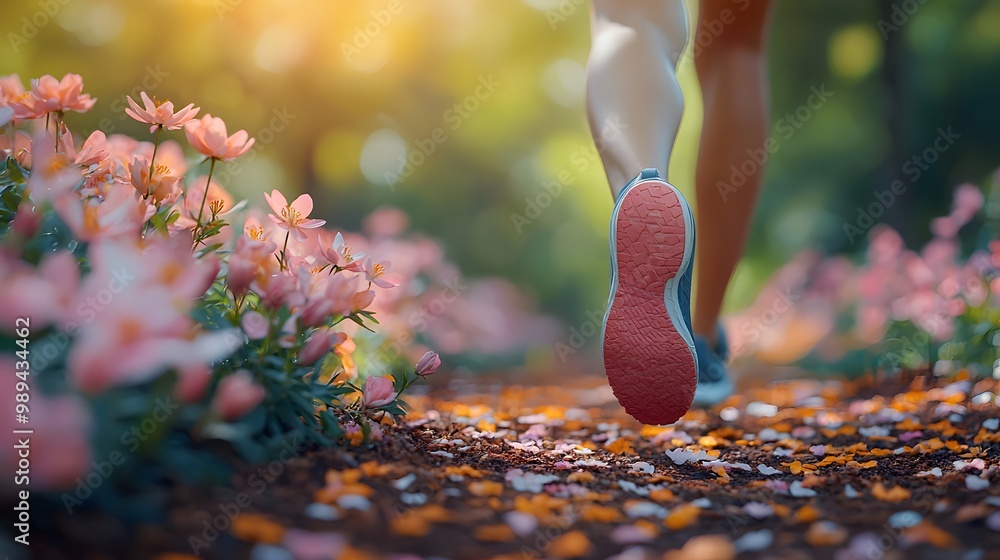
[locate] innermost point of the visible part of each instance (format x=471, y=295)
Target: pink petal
x=276, y=201
x=304, y=204
x=310, y=224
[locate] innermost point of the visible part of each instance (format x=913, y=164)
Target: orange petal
x=254, y=528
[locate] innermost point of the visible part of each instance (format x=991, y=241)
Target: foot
x=649, y=351
x=714, y=384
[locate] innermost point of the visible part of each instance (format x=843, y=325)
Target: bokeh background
x=342, y=94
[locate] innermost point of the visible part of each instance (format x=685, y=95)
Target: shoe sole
x=649, y=354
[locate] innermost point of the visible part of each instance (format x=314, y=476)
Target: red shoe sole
x=650, y=365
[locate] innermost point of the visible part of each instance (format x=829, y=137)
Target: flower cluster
x=142, y=279
x=899, y=308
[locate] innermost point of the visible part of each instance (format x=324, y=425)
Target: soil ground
x=905, y=468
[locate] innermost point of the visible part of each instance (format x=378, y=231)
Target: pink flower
x=255, y=325
x=136, y=339
x=219, y=201
x=374, y=272
x=946, y=226
x=18, y=147
x=340, y=291
x=251, y=259
x=276, y=290
x=361, y=300
x=237, y=395
x=319, y=344
x=162, y=187
x=11, y=88
x=378, y=392
x=428, y=364
x=160, y=113
x=145, y=327
x=386, y=222
x=49, y=95
x=26, y=221
x=44, y=293
x=292, y=217
x=122, y=212
x=52, y=174
x=967, y=201
x=339, y=253
x=192, y=382
x=93, y=151
x=208, y=135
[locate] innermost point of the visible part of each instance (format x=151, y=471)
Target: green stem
x=201, y=211
x=156, y=144
x=47, y=115
x=284, y=259
x=56, y=122
x=211, y=170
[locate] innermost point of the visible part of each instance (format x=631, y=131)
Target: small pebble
x=629, y=486
x=413, y=498
x=405, y=482
x=636, y=509
x=767, y=471
x=322, y=511
x=521, y=523
x=269, y=552
x=905, y=519
x=799, y=491
x=983, y=398
x=354, y=501
x=758, y=510
x=630, y=534
x=754, y=541
x=643, y=467
x=993, y=424
x=973, y=482
x=761, y=410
